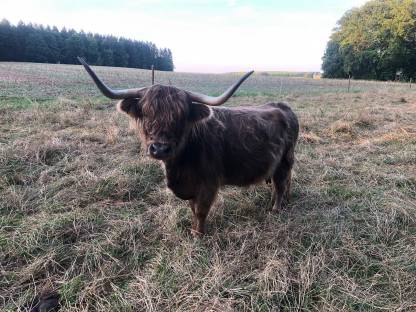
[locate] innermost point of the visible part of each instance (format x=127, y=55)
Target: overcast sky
x=204, y=35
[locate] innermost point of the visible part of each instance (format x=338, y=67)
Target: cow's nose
x=159, y=149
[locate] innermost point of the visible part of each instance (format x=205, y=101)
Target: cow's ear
x=198, y=112
x=132, y=107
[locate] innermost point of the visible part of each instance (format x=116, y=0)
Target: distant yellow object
x=317, y=76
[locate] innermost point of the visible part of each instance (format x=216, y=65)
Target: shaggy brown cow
x=204, y=148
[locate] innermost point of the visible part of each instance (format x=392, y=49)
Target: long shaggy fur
x=216, y=146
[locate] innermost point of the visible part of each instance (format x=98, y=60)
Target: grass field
x=84, y=214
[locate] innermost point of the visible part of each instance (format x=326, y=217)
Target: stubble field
x=85, y=216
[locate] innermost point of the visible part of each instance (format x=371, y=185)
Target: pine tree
x=8, y=42
x=36, y=43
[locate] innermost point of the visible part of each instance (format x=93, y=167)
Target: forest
x=376, y=41
x=45, y=44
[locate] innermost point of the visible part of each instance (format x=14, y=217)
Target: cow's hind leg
x=282, y=180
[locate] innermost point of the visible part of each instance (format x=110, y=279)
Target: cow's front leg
x=192, y=204
x=200, y=206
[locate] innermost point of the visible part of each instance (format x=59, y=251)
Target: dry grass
x=85, y=214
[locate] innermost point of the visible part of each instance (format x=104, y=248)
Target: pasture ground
x=85, y=214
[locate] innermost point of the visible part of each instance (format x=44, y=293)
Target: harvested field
x=84, y=214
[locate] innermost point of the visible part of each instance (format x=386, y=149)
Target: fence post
x=153, y=75
x=349, y=83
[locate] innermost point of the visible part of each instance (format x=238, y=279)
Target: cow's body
x=234, y=146
x=204, y=147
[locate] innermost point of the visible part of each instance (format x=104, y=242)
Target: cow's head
x=164, y=114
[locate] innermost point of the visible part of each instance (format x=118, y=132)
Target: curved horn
x=215, y=101
x=110, y=93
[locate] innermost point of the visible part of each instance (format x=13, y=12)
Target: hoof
x=197, y=234
x=277, y=209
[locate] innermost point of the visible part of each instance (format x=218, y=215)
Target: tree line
x=375, y=41
x=37, y=43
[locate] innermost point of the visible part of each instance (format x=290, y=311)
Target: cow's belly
x=245, y=175
x=244, y=179
x=247, y=169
